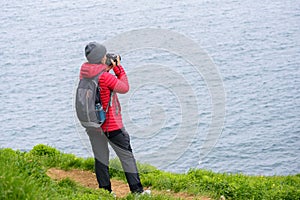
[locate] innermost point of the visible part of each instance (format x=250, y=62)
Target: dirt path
x=88, y=179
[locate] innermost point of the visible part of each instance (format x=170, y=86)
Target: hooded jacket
x=107, y=83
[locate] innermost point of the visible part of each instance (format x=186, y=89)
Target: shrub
x=44, y=150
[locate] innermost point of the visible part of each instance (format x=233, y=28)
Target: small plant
x=44, y=150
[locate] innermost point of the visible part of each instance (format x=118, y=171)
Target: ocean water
x=254, y=45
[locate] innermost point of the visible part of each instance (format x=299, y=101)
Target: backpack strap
x=111, y=93
x=109, y=102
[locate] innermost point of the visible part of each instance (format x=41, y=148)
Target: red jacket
x=107, y=83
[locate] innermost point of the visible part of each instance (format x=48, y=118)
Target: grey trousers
x=120, y=142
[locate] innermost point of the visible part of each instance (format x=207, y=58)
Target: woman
x=113, y=131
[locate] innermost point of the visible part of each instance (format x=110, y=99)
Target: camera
x=112, y=56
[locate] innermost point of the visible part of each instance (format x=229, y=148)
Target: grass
x=23, y=176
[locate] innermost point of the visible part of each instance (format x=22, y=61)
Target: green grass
x=232, y=186
x=23, y=176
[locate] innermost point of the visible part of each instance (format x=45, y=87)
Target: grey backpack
x=88, y=104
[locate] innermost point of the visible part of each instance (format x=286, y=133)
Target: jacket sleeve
x=118, y=84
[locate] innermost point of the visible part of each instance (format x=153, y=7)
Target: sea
x=214, y=84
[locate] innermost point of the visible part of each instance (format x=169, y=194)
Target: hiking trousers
x=119, y=140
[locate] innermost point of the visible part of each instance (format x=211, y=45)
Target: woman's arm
x=120, y=83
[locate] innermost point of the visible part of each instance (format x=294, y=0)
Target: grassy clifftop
x=23, y=176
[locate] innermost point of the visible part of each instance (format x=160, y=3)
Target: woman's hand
x=113, y=63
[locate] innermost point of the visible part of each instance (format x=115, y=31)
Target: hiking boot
x=113, y=194
x=146, y=192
